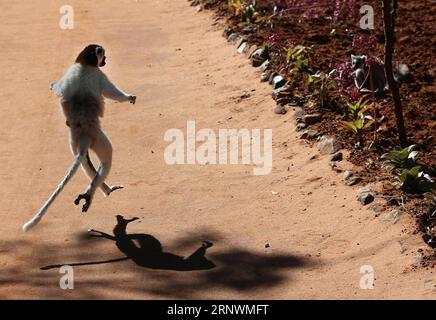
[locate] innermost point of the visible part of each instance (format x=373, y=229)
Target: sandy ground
x=181, y=69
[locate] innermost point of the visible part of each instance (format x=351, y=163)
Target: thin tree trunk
x=389, y=12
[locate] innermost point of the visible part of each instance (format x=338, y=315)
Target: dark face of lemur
x=93, y=55
x=358, y=62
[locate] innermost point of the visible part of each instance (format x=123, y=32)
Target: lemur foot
x=87, y=204
x=115, y=187
x=112, y=189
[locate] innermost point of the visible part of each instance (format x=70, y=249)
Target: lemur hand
x=132, y=99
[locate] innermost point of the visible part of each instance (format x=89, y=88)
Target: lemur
x=82, y=90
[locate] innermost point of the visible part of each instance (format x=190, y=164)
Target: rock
x=256, y=61
x=227, y=31
x=265, y=66
x=353, y=181
x=329, y=145
x=252, y=49
x=310, y=119
x=367, y=188
x=198, y=8
x=279, y=109
x=392, y=216
x=347, y=175
x=278, y=82
x=300, y=126
x=350, y=179
x=309, y=135
x=366, y=198
x=335, y=168
x=265, y=76
x=337, y=157
x=364, y=195
x=275, y=193
x=298, y=115
x=258, y=57
x=243, y=48
x=375, y=207
x=272, y=76
x=232, y=38
x=240, y=41
x=195, y=3
x=281, y=92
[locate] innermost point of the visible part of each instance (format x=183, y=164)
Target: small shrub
x=358, y=126
x=431, y=196
x=323, y=85
x=415, y=180
x=299, y=59
x=401, y=158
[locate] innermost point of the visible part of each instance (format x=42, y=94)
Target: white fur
x=89, y=80
x=81, y=90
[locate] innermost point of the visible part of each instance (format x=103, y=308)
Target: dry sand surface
x=180, y=68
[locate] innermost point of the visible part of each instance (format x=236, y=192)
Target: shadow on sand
x=146, y=251
x=228, y=270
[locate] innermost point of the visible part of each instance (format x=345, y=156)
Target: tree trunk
x=389, y=12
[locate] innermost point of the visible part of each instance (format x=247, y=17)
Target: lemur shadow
x=149, y=253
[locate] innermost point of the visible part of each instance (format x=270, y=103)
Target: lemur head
x=93, y=55
x=357, y=61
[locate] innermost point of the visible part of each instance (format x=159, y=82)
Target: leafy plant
x=235, y=7
x=243, y=9
x=415, y=180
x=401, y=158
x=323, y=84
x=249, y=13
x=266, y=47
x=431, y=196
x=359, y=122
x=299, y=59
x=358, y=125
x=358, y=108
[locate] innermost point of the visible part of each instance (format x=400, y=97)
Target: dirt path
x=181, y=69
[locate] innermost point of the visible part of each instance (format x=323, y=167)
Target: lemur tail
x=72, y=170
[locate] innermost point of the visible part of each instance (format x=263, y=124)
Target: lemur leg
x=89, y=169
x=91, y=172
x=103, y=148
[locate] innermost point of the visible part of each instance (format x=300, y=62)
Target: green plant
x=358, y=122
x=431, y=196
x=415, y=180
x=235, y=7
x=266, y=47
x=358, y=125
x=323, y=84
x=249, y=13
x=401, y=158
x=240, y=8
x=299, y=59
x=359, y=107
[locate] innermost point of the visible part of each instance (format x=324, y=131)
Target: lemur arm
x=111, y=91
